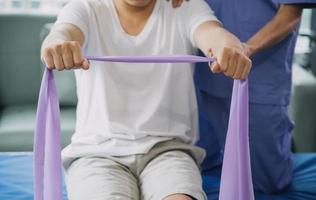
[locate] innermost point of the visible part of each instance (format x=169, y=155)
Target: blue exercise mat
x=16, y=179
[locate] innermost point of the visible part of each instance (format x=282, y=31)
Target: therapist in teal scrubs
x=269, y=30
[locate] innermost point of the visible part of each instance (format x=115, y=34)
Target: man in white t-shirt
x=136, y=123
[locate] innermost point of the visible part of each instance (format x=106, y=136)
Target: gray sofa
x=20, y=76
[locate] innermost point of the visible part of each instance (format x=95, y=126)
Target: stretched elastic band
x=152, y=59
x=236, y=175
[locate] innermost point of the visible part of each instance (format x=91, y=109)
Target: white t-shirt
x=123, y=108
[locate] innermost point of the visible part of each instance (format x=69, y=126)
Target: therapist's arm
x=283, y=23
x=215, y=41
x=61, y=49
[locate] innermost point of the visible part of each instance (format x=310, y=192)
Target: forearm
x=61, y=33
x=284, y=22
x=211, y=37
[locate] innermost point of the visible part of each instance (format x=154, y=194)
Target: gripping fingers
x=215, y=67
x=85, y=64
x=246, y=69
x=78, y=58
x=48, y=59
x=57, y=57
x=224, y=60
x=243, y=68
x=64, y=55
x=239, y=71
x=233, y=64
x=67, y=56
x=241, y=63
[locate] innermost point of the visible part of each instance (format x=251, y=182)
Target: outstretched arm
x=215, y=41
x=62, y=48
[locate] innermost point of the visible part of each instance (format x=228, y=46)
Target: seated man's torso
x=134, y=106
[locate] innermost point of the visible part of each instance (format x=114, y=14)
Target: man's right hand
x=61, y=49
x=64, y=55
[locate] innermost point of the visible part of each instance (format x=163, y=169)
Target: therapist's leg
x=270, y=147
x=213, y=121
x=270, y=140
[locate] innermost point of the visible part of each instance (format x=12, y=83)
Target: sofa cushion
x=17, y=127
x=20, y=72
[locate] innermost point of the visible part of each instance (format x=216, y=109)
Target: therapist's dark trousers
x=269, y=134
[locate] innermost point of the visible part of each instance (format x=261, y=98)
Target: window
x=31, y=6
x=306, y=19
x=303, y=43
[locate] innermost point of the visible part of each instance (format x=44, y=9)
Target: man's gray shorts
x=168, y=168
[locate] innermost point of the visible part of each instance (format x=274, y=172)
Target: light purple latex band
x=236, y=181
x=152, y=59
x=47, y=157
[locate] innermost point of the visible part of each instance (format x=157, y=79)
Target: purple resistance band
x=236, y=183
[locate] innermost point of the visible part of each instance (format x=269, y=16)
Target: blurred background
x=24, y=24
x=31, y=6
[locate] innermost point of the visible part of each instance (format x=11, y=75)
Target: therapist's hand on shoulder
x=215, y=41
x=61, y=49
